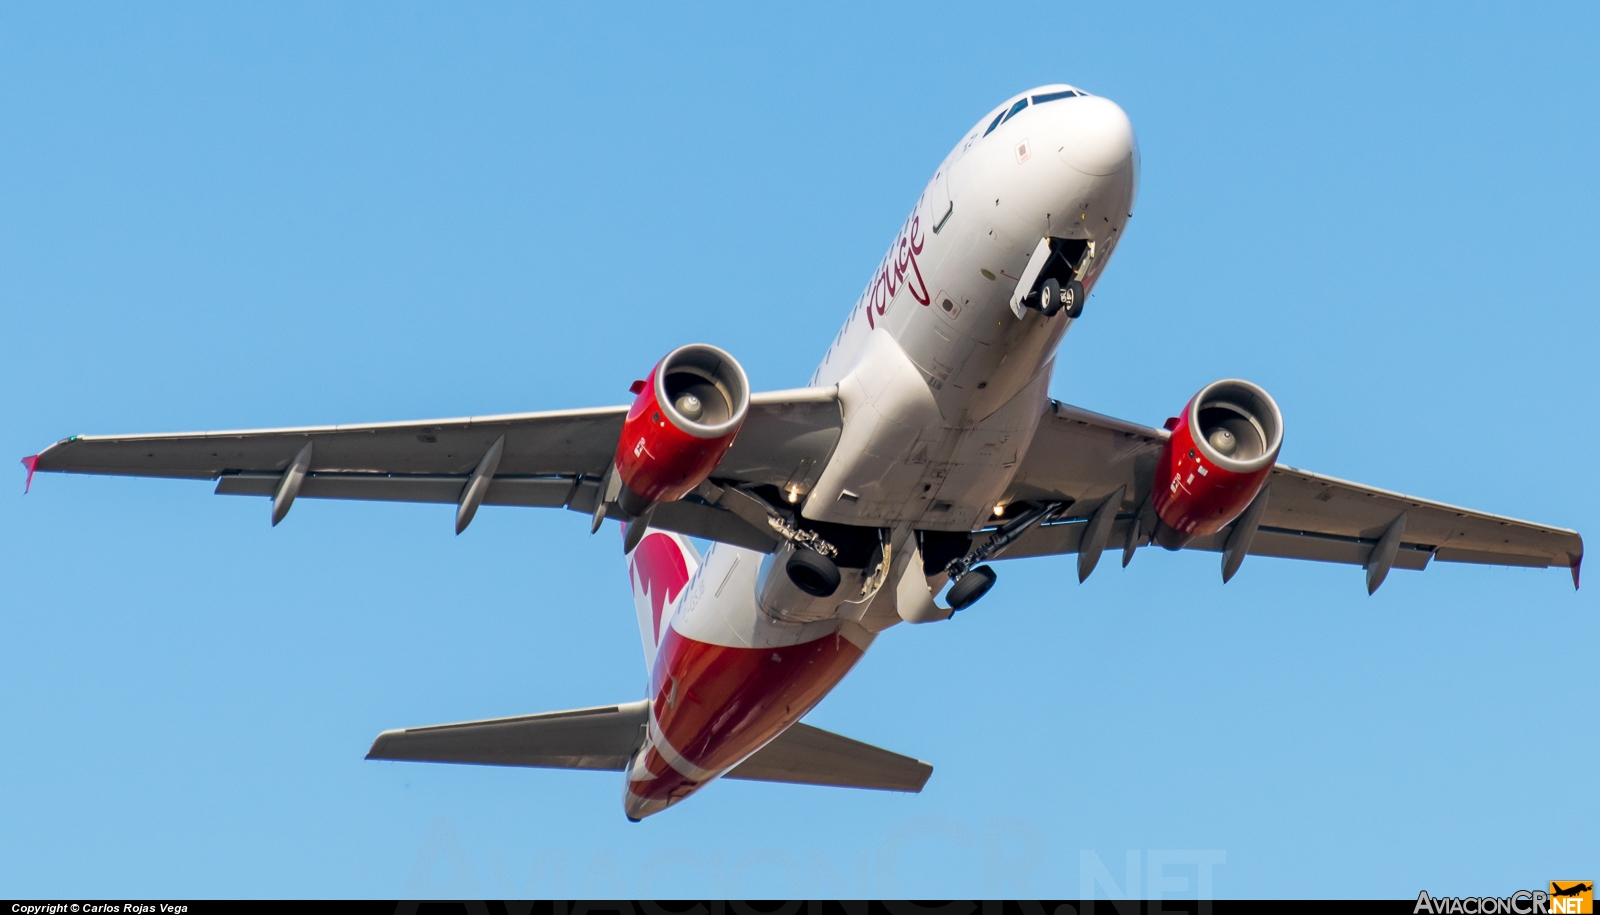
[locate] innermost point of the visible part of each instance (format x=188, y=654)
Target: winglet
x=30, y=462
x=1577, y=562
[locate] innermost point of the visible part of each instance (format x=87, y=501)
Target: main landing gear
x=972, y=581
x=971, y=586
x=813, y=573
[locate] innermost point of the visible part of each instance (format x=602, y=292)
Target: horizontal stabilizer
x=588, y=738
x=606, y=737
x=811, y=756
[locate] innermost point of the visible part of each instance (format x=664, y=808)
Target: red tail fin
x=659, y=568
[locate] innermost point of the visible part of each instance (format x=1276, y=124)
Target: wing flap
x=692, y=518
x=1319, y=548
x=539, y=492
x=1061, y=538
x=604, y=737
x=808, y=755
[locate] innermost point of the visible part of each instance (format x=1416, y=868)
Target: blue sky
x=234, y=216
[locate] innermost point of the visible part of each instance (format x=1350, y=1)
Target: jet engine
x=683, y=420
x=1221, y=450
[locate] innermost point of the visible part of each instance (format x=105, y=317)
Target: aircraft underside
x=925, y=448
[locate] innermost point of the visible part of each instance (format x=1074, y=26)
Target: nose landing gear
x=1055, y=272
x=1072, y=296
x=1054, y=298
x=1049, y=301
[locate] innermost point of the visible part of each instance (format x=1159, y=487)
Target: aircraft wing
x=1084, y=457
x=606, y=737
x=554, y=459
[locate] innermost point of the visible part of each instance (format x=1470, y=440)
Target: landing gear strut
x=973, y=581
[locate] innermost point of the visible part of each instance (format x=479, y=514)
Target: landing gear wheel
x=1049, y=298
x=1072, y=298
x=813, y=573
x=973, y=585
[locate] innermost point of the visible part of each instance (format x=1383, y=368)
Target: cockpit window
x=1053, y=96
x=1006, y=115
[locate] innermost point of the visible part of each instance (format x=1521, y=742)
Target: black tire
x=973, y=585
x=1072, y=298
x=1049, y=298
x=813, y=573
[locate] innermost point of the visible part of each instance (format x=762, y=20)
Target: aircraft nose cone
x=1099, y=136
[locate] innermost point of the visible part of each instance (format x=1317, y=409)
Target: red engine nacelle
x=683, y=421
x=1220, y=453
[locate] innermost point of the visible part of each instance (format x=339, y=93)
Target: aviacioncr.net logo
x=1566, y=897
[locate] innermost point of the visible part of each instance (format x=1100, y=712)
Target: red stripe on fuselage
x=717, y=704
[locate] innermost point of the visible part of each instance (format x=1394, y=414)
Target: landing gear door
x=1085, y=263
x=1030, y=275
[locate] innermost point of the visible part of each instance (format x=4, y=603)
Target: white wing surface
x=553, y=459
x=1084, y=457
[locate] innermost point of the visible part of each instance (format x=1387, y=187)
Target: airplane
x=924, y=448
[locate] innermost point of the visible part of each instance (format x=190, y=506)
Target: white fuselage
x=941, y=387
